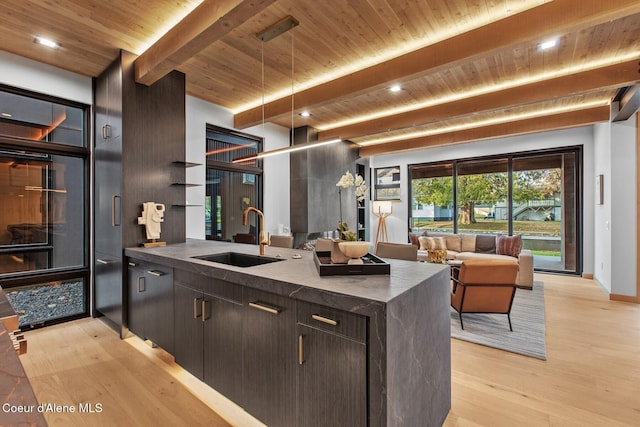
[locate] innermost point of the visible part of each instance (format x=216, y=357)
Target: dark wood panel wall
x=154, y=139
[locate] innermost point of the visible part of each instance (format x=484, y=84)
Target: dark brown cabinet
x=208, y=316
x=139, y=133
x=332, y=367
x=269, y=345
x=151, y=303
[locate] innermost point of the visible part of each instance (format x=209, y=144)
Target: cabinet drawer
x=209, y=285
x=328, y=319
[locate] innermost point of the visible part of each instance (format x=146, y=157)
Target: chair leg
x=509, y=318
x=461, y=324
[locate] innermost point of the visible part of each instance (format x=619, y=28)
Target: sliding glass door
x=535, y=195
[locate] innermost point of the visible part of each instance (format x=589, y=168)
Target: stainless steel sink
x=238, y=259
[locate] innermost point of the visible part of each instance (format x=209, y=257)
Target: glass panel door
x=545, y=209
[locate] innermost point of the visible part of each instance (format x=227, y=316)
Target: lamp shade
x=381, y=207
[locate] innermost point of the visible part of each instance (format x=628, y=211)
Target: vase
x=337, y=257
x=354, y=251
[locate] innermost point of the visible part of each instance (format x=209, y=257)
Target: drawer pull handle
x=300, y=349
x=264, y=307
x=195, y=308
x=324, y=320
x=141, y=285
x=102, y=261
x=132, y=264
x=156, y=273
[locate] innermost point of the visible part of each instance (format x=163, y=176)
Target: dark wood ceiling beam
x=206, y=24
x=534, y=24
x=612, y=76
x=519, y=127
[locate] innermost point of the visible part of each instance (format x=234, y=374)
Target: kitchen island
x=295, y=348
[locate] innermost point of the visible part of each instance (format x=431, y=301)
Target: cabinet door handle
x=300, y=349
x=265, y=307
x=115, y=217
x=204, y=310
x=132, y=264
x=195, y=308
x=142, y=286
x=106, y=131
x=156, y=273
x=102, y=261
x=324, y=320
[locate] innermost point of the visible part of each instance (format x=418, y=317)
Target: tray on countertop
x=371, y=265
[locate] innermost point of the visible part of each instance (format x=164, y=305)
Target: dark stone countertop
x=295, y=278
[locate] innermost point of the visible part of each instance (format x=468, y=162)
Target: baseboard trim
x=588, y=276
x=624, y=298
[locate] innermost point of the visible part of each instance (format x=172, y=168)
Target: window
x=535, y=195
x=44, y=222
x=231, y=187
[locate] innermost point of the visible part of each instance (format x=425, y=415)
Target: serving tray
x=371, y=265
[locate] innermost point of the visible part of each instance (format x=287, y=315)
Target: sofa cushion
x=428, y=243
x=508, y=245
x=413, y=238
x=454, y=242
x=485, y=244
x=476, y=255
x=468, y=243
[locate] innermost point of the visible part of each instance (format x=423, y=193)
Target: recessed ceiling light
x=395, y=88
x=548, y=44
x=46, y=42
x=305, y=114
x=4, y=114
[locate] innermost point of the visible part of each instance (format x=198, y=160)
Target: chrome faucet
x=264, y=241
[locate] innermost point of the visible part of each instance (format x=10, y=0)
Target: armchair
x=484, y=286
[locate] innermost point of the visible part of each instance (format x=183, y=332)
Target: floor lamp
x=381, y=209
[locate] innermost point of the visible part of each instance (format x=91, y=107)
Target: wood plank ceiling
x=467, y=70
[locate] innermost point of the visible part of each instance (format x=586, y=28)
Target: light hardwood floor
x=591, y=376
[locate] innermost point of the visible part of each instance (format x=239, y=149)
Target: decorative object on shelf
x=152, y=216
x=381, y=209
x=354, y=250
x=349, y=180
x=437, y=256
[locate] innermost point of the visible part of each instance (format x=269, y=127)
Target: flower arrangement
x=349, y=180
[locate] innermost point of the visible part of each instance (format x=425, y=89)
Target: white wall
x=623, y=211
x=26, y=74
x=199, y=113
x=602, y=213
x=397, y=224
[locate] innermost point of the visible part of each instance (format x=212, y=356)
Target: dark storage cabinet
x=332, y=367
x=151, y=302
x=286, y=362
x=139, y=133
x=208, y=319
x=269, y=345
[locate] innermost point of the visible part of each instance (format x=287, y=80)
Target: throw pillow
x=432, y=243
x=485, y=244
x=413, y=238
x=508, y=245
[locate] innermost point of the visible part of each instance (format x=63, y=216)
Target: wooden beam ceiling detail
x=209, y=22
x=613, y=76
x=519, y=127
x=534, y=24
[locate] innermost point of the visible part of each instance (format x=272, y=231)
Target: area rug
x=492, y=330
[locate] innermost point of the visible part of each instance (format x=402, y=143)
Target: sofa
x=479, y=246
